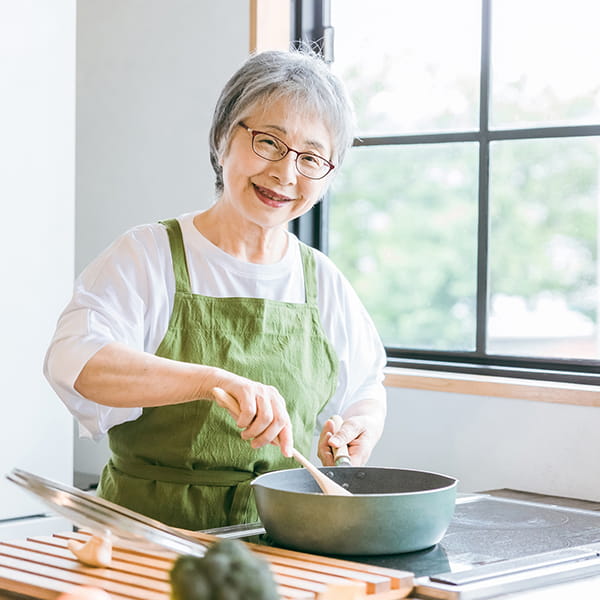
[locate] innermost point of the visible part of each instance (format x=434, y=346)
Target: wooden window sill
x=483, y=385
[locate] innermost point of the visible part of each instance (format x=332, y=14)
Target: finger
x=280, y=425
x=262, y=419
x=348, y=432
x=248, y=410
x=360, y=449
x=341, y=455
x=335, y=424
x=286, y=441
x=324, y=450
x=326, y=432
x=359, y=453
x=269, y=435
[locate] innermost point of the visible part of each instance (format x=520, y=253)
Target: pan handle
x=341, y=455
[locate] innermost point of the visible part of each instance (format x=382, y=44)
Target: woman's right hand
x=121, y=376
x=259, y=410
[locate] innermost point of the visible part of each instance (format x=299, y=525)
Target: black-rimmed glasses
x=271, y=148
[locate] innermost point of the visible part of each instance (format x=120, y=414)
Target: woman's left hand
x=361, y=429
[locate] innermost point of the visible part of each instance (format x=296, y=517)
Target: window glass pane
x=545, y=68
x=403, y=228
x=544, y=199
x=410, y=66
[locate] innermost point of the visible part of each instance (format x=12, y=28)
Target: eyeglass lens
x=271, y=148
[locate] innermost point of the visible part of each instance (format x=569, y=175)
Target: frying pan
x=390, y=510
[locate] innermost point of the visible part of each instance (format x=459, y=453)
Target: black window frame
x=311, y=24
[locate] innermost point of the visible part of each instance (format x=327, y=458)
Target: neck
x=246, y=241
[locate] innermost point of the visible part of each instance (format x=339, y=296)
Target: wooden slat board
x=377, y=579
x=43, y=568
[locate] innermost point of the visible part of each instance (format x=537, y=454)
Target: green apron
x=186, y=464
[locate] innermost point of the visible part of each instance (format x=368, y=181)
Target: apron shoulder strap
x=310, y=273
x=182, y=277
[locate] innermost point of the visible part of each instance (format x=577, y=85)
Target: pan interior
x=359, y=480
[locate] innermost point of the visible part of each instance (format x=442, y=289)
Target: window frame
x=311, y=24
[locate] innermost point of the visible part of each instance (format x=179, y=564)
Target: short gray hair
x=299, y=76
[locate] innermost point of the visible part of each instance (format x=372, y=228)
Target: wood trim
x=253, y=24
x=269, y=25
x=480, y=385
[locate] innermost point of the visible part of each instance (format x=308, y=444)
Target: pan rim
x=452, y=483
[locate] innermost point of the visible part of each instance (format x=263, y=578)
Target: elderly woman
x=227, y=298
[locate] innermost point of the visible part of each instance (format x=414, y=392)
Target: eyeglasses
x=271, y=148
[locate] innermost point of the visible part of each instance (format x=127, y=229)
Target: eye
x=269, y=144
x=266, y=141
x=312, y=160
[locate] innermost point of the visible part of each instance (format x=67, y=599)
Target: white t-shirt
x=126, y=295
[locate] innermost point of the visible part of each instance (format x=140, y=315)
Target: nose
x=284, y=170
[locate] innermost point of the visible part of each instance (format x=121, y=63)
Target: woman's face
x=266, y=193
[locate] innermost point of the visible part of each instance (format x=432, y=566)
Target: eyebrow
x=313, y=143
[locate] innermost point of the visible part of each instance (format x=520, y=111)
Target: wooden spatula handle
x=341, y=455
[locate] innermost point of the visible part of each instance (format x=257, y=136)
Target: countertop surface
x=587, y=588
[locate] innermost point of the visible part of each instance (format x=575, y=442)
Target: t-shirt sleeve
x=357, y=343
x=110, y=303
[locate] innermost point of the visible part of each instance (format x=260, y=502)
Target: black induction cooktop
x=487, y=530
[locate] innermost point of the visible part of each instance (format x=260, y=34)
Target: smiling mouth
x=271, y=198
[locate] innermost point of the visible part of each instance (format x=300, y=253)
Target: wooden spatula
x=328, y=486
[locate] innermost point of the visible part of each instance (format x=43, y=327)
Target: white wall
x=148, y=76
x=37, y=149
x=490, y=442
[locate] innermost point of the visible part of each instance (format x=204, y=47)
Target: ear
x=222, y=156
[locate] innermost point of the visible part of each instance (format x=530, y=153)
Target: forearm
x=120, y=376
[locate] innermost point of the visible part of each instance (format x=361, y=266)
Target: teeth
x=277, y=198
x=266, y=193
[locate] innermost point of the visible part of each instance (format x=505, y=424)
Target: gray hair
x=298, y=76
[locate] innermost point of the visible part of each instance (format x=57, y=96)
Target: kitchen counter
x=506, y=516
x=585, y=589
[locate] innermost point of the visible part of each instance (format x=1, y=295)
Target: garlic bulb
x=96, y=552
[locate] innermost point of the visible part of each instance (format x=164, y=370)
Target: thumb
x=339, y=441
x=340, y=438
x=343, y=432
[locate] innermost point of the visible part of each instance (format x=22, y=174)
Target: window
x=467, y=214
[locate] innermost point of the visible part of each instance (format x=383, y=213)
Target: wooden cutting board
x=43, y=568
